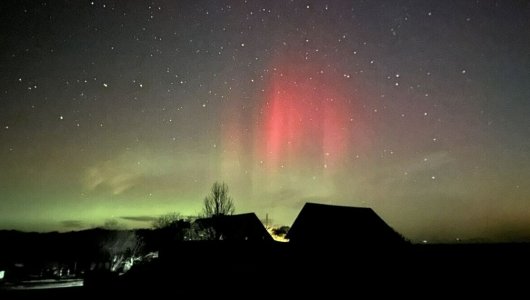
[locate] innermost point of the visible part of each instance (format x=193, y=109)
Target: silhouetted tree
x=218, y=203
x=167, y=220
x=173, y=227
x=113, y=224
x=281, y=231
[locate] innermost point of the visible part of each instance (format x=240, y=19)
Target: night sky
x=125, y=110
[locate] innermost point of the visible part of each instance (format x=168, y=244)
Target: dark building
x=242, y=227
x=331, y=224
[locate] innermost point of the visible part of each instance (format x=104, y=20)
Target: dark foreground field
x=268, y=269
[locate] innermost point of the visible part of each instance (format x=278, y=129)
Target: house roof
x=332, y=223
x=238, y=227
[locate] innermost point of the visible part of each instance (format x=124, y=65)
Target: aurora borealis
x=125, y=110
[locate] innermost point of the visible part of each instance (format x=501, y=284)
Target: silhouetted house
x=351, y=226
x=242, y=227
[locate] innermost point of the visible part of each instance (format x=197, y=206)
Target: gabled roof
x=341, y=224
x=240, y=227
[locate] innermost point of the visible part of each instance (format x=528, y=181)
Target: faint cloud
x=72, y=224
x=138, y=168
x=116, y=177
x=139, y=218
x=429, y=161
x=283, y=197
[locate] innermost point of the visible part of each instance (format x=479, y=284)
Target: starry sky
x=126, y=110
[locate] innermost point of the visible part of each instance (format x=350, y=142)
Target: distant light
x=2, y=274
x=424, y=241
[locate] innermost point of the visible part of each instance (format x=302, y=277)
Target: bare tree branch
x=218, y=202
x=167, y=220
